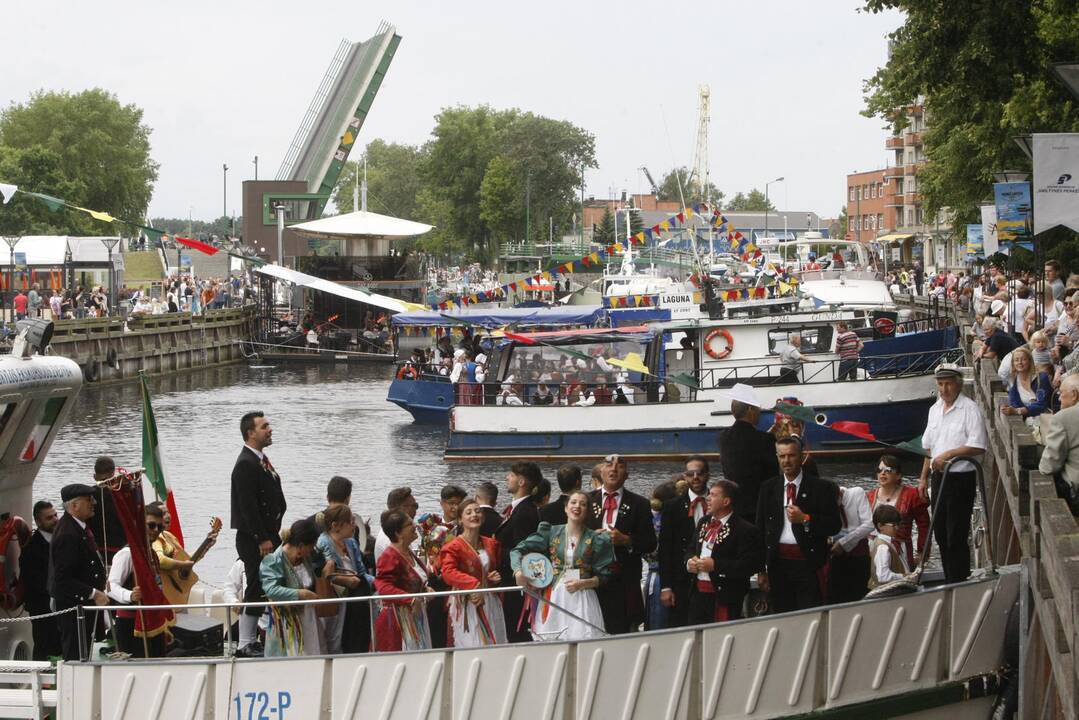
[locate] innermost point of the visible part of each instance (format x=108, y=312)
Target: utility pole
x=224, y=190
x=256, y=168
x=528, y=206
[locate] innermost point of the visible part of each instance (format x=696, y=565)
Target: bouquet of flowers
x=433, y=535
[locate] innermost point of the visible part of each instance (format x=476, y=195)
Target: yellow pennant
x=689, y=213
x=665, y=225
x=96, y=214
x=632, y=361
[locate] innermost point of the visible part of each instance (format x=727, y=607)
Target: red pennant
x=520, y=338
x=858, y=429
x=196, y=245
x=681, y=217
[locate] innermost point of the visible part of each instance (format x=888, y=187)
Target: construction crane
x=651, y=181
x=700, y=172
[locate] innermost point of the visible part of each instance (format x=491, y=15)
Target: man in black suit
x=486, y=496
x=521, y=518
x=76, y=570
x=797, y=512
x=726, y=552
x=34, y=573
x=258, y=504
x=748, y=455
x=569, y=479
x=105, y=524
x=677, y=534
x=627, y=518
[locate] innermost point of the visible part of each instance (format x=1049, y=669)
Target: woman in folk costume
x=470, y=562
x=290, y=573
x=581, y=559
x=913, y=508
x=402, y=624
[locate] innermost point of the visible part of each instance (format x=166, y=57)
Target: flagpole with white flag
x=151, y=460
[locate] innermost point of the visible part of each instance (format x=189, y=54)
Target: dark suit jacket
x=258, y=504
x=748, y=457
x=34, y=572
x=817, y=498
x=77, y=569
x=677, y=533
x=491, y=521
x=520, y=524
x=634, y=519
x=555, y=512
x=108, y=530
x=737, y=558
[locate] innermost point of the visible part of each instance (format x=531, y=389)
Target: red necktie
x=694, y=504
x=715, y=526
x=269, y=467
x=507, y=511
x=610, y=505
x=792, y=490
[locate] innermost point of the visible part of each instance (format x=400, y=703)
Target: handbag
x=324, y=590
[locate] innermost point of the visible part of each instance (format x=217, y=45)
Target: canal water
x=327, y=420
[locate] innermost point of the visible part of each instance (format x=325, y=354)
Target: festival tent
x=328, y=286
x=360, y=224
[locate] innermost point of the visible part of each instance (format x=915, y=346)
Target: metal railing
x=238, y=608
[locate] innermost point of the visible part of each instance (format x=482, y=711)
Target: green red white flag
x=151, y=460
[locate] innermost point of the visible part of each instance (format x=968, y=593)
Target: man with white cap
x=747, y=455
x=955, y=430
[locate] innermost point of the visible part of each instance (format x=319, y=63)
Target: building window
x=880, y=221
x=873, y=190
x=851, y=193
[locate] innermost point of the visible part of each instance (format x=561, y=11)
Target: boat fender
x=92, y=370
x=111, y=359
x=718, y=354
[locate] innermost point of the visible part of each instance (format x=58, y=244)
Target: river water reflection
x=327, y=420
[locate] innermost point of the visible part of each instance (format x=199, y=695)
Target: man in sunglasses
x=677, y=535
x=123, y=590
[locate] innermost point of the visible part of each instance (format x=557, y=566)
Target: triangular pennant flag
x=196, y=245
x=913, y=446
x=690, y=211
x=595, y=257
x=52, y=203
x=858, y=429
x=586, y=260
x=681, y=217
x=7, y=192
x=798, y=412
x=632, y=362
x=665, y=225
x=684, y=379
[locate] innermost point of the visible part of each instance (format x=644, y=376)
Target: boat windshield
x=588, y=362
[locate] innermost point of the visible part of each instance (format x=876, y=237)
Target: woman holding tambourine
x=566, y=563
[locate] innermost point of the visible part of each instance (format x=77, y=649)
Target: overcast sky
x=223, y=81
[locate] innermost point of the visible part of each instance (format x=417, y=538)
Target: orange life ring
x=408, y=371
x=720, y=354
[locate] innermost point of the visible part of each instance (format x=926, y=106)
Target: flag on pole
x=151, y=460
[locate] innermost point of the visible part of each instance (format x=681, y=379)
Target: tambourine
x=537, y=569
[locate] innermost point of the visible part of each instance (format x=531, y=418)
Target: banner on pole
x=975, y=243
x=1056, y=180
x=1014, y=222
x=990, y=243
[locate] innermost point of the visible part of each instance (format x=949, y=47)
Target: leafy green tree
x=838, y=228
x=606, y=230
x=669, y=192
x=222, y=227
x=33, y=168
x=982, y=70
x=100, y=151
x=755, y=201
x=393, y=179
x=636, y=224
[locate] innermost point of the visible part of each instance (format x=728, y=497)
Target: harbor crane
x=651, y=181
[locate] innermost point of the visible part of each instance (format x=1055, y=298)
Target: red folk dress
x=463, y=568
x=402, y=624
x=914, y=509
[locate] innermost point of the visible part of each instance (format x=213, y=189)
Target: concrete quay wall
x=156, y=344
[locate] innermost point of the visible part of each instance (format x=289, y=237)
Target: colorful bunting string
x=848, y=427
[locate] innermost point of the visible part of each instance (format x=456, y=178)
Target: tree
x=755, y=201
x=838, y=228
x=982, y=70
x=394, y=180
x=100, y=154
x=669, y=189
x=33, y=168
x=606, y=230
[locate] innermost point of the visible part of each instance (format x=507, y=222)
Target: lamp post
x=1068, y=75
x=766, y=203
x=12, y=241
x=111, y=243
x=280, y=208
x=224, y=190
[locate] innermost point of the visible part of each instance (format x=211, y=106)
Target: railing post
x=80, y=621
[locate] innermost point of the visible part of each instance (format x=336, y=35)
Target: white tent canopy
x=43, y=250
x=328, y=286
x=360, y=224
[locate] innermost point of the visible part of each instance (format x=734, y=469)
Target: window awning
x=894, y=237
x=328, y=286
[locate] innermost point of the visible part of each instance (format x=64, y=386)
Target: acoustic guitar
x=177, y=584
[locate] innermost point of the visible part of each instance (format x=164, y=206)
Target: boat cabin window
x=6, y=411
x=50, y=413
x=815, y=339
x=586, y=362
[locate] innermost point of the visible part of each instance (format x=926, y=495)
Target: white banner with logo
x=989, y=230
x=1056, y=181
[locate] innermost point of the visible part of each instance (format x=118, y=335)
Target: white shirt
x=235, y=583
x=257, y=452
x=119, y=573
x=706, y=549
x=1016, y=308
x=787, y=536
x=603, y=512
x=882, y=559
x=859, y=518
x=699, y=511
x=790, y=357
x=960, y=425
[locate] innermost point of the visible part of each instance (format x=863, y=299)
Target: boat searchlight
x=34, y=335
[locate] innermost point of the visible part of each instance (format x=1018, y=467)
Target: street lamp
x=766, y=203
x=281, y=209
x=224, y=190
x=12, y=241
x=1010, y=176
x=1026, y=144
x=111, y=243
x=1068, y=75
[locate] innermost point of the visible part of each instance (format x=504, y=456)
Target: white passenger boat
x=936, y=653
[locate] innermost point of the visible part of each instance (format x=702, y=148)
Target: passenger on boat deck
x=543, y=395
x=791, y=359
x=165, y=544
x=888, y=563
x=487, y=495
x=520, y=519
x=848, y=565
x=748, y=455
x=913, y=508
x=122, y=589
x=597, y=476
x=510, y=393
x=76, y=568
x=397, y=499
x=657, y=616
x=676, y=532
x=349, y=629
x=470, y=561
x=542, y=494
x=955, y=430
x=294, y=571
x=34, y=574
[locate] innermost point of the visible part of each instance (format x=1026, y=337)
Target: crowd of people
x=597, y=560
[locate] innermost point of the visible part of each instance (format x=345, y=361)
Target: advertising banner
x=1014, y=223
x=989, y=230
x=1056, y=180
x=975, y=243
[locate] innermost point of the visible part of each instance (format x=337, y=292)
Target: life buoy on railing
x=718, y=354
x=408, y=371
